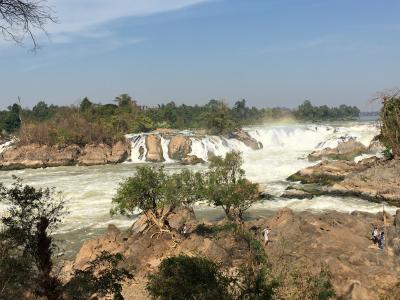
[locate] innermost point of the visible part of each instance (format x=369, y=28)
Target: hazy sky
x=270, y=52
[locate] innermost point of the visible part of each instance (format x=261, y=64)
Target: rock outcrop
x=245, y=138
x=347, y=150
x=94, y=155
x=328, y=172
x=179, y=147
x=63, y=156
x=338, y=240
x=381, y=182
x=191, y=160
x=154, y=148
x=120, y=152
x=42, y=156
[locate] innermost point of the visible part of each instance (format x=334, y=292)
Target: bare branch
x=21, y=19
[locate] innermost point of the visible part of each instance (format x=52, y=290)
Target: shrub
x=28, y=250
x=227, y=187
x=183, y=277
x=390, y=122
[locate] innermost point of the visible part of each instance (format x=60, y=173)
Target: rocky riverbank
x=41, y=156
x=375, y=179
x=302, y=240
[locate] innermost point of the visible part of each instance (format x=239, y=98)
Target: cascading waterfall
x=290, y=138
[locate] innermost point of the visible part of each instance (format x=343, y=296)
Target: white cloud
x=80, y=15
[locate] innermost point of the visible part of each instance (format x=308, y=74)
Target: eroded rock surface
x=381, y=182
x=338, y=240
x=42, y=156
x=179, y=147
x=347, y=150
x=154, y=148
x=191, y=160
x=328, y=172
x=245, y=137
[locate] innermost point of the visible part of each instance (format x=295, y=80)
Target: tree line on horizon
x=89, y=122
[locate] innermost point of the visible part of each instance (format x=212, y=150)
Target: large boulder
x=179, y=147
x=346, y=151
x=94, y=155
x=63, y=156
x=28, y=156
x=119, y=153
x=192, y=160
x=245, y=138
x=154, y=148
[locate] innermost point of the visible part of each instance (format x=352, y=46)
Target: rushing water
x=89, y=190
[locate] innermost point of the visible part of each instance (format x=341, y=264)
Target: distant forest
x=89, y=122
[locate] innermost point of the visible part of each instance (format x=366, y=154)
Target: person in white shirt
x=265, y=232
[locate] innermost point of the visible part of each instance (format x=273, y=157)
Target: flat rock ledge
x=347, y=150
x=42, y=156
x=371, y=179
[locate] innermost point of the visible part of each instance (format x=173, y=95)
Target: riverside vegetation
x=90, y=123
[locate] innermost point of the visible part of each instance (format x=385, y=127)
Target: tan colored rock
x=192, y=160
x=94, y=155
x=380, y=182
x=336, y=240
x=245, y=137
x=119, y=153
x=179, y=147
x=63, y=156
x=328, y=172
x=29, y=156
x=154, y=148
x=345, y=151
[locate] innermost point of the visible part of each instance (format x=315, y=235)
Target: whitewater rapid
x=89, y=190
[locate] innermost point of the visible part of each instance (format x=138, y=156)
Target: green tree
x=85, y=104
x=183, y=278
x=28, y=248
x=123, y=100
x=227, y=187
x=12, y=120
x=156, y=194
x=390, y=122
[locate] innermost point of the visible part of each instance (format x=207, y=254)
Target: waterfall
x=288, y=138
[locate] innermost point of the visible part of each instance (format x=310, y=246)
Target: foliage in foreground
x=226, y=186
x=28, y=251
x=156, y=194
x=390, y=123
x=183, y=277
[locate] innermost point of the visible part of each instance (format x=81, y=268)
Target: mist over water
x=89, y=190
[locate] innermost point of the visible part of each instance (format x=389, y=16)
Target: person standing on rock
x=266, y=231
x=375, y=235
x=381, y=240
x=184, y=230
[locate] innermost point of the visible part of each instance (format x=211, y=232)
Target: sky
x=269, y=52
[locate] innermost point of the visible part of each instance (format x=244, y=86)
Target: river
x=89, y=190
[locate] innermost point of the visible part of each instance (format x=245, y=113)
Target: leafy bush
x=183, y=277
x=28, y=251
x=390, y=123
x=157, y=194
x=227, y=187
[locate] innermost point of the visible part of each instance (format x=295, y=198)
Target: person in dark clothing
x=381, y=240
